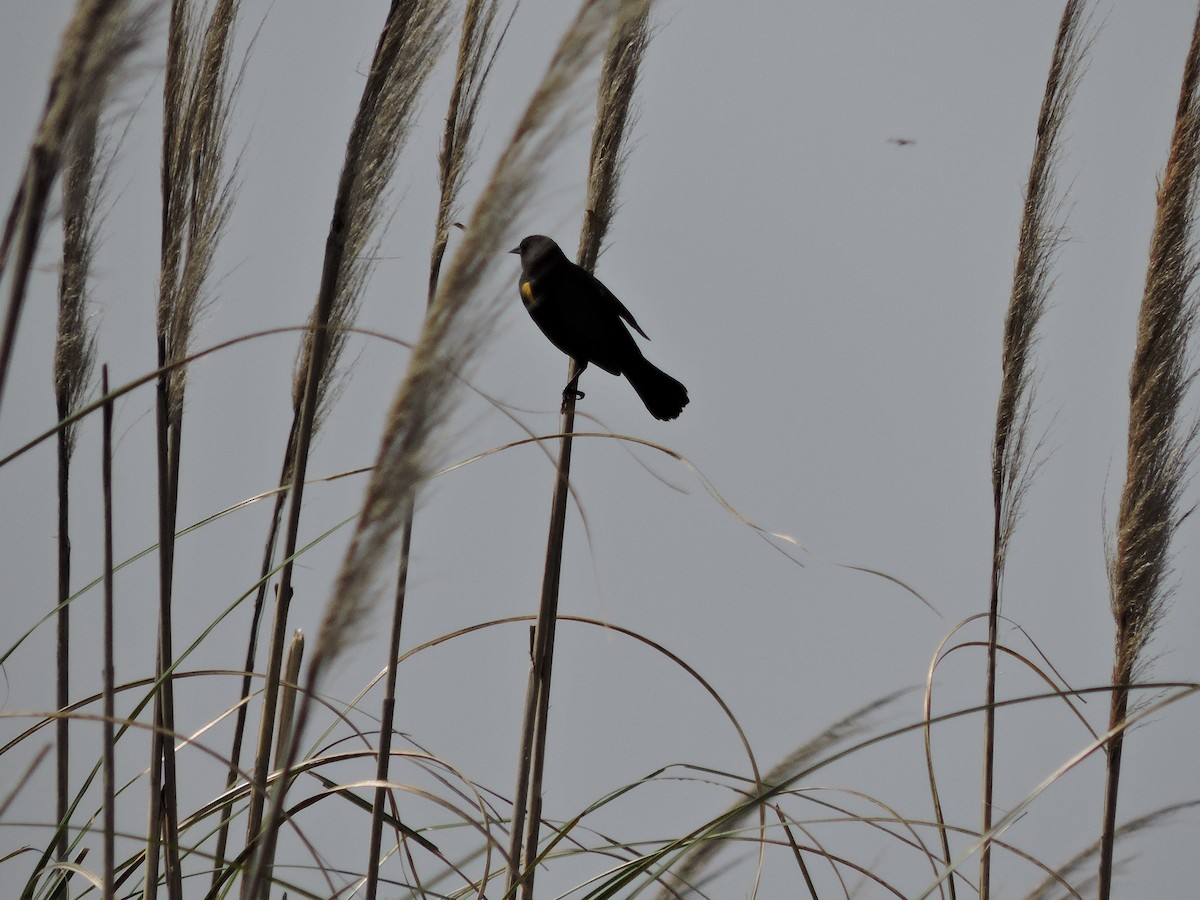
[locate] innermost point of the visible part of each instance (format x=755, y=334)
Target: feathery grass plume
x=476, y=52
x=1037, y=245
x=1013, y=463
x=627, y=42
x=1087, y=857
x=615, y=118
x=97, y=41
x=1160, y=447
x=690, y=868
x=74, y=359
x=197, y=190
x=451, y=334
x=408, y=46
x=197, y=196
x=75, y=344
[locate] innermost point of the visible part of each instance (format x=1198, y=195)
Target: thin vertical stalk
x=233, y=774
x=196, y=201
x=528, y=801
x=74, y=357
x=165, y=813
x=172, y=99
x=628, y=38
x=1012, y=462
x=109, y=727
x=287, y=694
x=62, y=698
x=387, y=719
x=34, y=193
x=1160, y=449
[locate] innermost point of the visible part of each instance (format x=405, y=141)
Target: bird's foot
x=571, y=395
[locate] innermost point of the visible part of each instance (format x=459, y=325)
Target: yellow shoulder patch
x=527, y=292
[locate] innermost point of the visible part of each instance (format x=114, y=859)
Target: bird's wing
x=611, y=299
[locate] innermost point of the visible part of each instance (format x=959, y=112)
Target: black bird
x=582, y=318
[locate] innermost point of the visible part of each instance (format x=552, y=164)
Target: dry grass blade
x=1088, y=856
x=1179, y=690
x=689, y=869
x=1160, y=449
x=1013, y=463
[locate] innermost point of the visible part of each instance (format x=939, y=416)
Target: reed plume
x=84, y=164
x=98, y=40
x=197, y=197
x=1013, y=462
x=1161, y=446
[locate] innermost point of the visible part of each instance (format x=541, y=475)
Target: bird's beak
x=516, y=250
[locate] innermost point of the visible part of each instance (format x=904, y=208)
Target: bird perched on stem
x=582, y=318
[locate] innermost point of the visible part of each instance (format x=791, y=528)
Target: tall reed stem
x=1160, y=450
x=619, y=74
x=1012, y=462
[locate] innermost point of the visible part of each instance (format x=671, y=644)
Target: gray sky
x=834, y=303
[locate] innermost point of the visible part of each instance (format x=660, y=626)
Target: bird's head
x=534, y=249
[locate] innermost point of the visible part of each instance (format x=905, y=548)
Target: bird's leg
x=571, y=392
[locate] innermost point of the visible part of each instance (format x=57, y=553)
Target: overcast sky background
x=833, y=301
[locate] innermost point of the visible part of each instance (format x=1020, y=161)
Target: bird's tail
x=663, y=395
